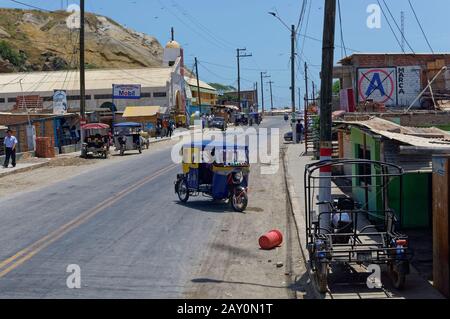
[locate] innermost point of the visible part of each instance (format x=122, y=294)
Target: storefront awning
x=141, y=111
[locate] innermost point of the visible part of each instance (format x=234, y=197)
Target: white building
x=163, y=86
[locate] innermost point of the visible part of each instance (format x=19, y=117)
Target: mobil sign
x=378, y=85
x=127, y=91
x=392, y=86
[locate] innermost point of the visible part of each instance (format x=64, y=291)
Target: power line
x=340, y=27
x=420, y=25
x=30, y=6
x=398, y=27
x=390, y=27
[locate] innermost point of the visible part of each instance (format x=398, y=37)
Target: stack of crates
x=44, y=147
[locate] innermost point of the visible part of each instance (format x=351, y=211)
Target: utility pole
x=199, y=99
x=271, y=96
x=263, y=76
x=299, y=98
x=326, y=96
x=239, y=56
x=402, y=19
x=294, y=128
x=314, y=92
x=306, y=87
x=256, y=97
x=82, y=66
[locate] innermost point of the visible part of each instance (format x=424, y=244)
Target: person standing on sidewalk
x=10, y=149
x=299, y=130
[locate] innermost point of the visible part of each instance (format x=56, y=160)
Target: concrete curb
x=24, y=169
x=299, y=224
x=64, y=156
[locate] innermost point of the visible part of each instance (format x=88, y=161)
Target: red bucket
x=270, y=240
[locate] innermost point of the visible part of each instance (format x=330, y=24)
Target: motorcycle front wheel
x=239, y=200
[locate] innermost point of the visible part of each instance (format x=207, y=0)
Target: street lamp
x=293, y=32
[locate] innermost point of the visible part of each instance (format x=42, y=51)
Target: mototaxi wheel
x=182, y=191
x=239, y=200
x=321, y=275
x=398, y=277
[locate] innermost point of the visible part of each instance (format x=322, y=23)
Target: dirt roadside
x=233, y=266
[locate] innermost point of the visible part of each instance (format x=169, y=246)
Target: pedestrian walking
x=171, y=128
x=299, y=130
x=10, y=149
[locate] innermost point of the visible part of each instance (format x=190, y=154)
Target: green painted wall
x=416, y=195
x=416, y=199
x=372, y=145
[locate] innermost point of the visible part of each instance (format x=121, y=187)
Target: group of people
x=165, y=128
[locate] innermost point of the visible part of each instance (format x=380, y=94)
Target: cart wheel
x=398, y=278
x=322, y=278
x=239, y=200
x=183, y=191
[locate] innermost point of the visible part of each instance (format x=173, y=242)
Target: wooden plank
x=441, y=197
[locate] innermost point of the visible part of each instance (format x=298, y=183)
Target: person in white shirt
x=10, y=149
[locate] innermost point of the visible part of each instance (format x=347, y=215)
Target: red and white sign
x=378, y=85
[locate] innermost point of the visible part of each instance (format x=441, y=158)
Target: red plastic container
x=270, y=240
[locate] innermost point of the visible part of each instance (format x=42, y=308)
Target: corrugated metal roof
x=203, y=85
x=141, y=111
x=95, y=79
x=408, y=135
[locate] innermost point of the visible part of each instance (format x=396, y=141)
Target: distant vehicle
x=288, y=137
x=96, y=140
x=128, y=138
x=286, y=117
x=219, y=122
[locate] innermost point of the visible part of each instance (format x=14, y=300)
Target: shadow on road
x=209, y=206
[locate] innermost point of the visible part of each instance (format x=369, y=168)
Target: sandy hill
x=35, y=40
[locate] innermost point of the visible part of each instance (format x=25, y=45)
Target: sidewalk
x=416, y=286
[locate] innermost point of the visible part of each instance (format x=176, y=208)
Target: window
x=2, y=100
x=103, y=97
x=48, y=98
x=159, y=94
x=364, y=170
x=12, y=100
x=73, y=98
x=146, y=95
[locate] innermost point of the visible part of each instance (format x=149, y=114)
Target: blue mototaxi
x=216, y=170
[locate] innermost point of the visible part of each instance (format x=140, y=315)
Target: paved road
x=120, y=223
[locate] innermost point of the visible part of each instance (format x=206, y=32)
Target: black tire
x=398, y=278
x=183, y=191
x=239, y=200
x=322, y=278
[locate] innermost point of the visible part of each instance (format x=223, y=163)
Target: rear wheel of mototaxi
x=397, y=275
x=239, y=199
x=182, y=191
x=321, y=276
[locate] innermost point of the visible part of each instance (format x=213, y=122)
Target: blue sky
x=212, y=30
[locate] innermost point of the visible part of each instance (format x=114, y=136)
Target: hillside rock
x=49, y=44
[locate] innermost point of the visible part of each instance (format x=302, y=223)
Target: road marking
x=25, y=254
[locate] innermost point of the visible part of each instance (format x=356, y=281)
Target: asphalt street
x=122, y=224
